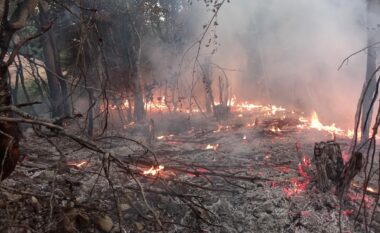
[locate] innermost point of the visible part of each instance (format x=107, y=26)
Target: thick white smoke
x=294, y=47
x=284, y=52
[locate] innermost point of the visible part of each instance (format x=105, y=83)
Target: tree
x=57, y=86
x=9, y=149
x=373, y=7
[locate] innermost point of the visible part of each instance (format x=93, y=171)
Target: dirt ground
x=240, y=175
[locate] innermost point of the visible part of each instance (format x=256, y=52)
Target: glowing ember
x=244, y=137
x=78, y=164
x=212, y=147
x=371, y=190
x=129, y=125
x=301, y=171
x=153, y=170
x=306, y=161
x=160, y=137
x=297, y=187
x=275, y=129
x=347, y=212
x=345, y=156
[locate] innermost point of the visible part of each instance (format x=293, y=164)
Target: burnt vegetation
x=119, y=116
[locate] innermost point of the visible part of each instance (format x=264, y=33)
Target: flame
x=153, y=170
x=371, y=190
x=316, y=124
x=275, y=109
x=244, y=137
x=296, y=187
x=275, y=129
x=78, y=164
x=160, y=137
x=212, y=147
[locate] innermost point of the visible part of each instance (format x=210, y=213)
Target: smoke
x=287, y=52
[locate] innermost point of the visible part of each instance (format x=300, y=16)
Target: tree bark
x=9, y=132
x=373, y=7
x=51, y=61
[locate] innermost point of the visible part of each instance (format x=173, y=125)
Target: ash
x=240, y=175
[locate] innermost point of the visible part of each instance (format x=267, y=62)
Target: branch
x=353, y=54
x=20, y=16
x=17, y=48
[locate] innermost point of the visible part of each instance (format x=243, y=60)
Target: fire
x=296, y=187
x=160, y=137
x=316, y=124
x=275, y=129
x=212, y=147
x=129, y=125
x=78, y=164
x=244, y=137
x=305, y=164
x=153, y=170
x=275, y=109
x=371, y=190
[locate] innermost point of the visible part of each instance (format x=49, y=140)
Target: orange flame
x=212, y=147
x=79, y=164
x=153, y=170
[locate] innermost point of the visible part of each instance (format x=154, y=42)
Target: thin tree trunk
x=373, y=7
x=50, y=63
x=90, y=115
x=9, y=139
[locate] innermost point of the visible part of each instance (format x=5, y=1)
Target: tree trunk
x=373, y=7
x=209, y=101
x=9, y=132
x=139, y=110
x=90, y=114
x=52, y=71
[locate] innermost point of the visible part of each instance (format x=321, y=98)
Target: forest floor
x=241, y=175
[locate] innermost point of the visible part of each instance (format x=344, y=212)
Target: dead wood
x=9, y=151
x=351, y=169
x=329, y=164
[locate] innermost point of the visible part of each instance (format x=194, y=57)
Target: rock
x=268, y=207
x=35, y=203
x=139, y=226
x=104, y=223
x=124, y=207
x=74, y=220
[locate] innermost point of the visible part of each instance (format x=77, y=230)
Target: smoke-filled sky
x=288, y=52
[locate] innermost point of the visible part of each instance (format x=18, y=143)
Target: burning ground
x=246, y=174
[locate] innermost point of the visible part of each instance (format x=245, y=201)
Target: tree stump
x=329, y=164
x=331, y=169
x=221, y=112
